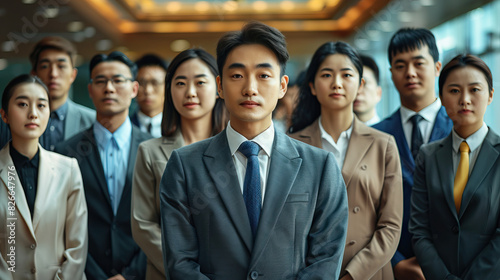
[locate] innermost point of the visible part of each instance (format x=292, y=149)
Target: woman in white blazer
x=41, y=194
x=192, y=112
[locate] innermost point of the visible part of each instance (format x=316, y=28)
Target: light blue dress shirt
x=114, y=150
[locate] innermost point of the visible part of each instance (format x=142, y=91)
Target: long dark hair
x=308, y=108
x=171, y=121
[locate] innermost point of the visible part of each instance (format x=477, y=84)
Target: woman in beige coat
x=368, y=158
x=192, y=112
x=42, y=202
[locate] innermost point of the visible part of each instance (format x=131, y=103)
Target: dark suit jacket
x=205, y=228
x=112, y=250
x=372, y=173
x=393, y=126
x=451, y=245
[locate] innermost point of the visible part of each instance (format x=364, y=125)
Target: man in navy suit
x=279, y=212
x=414, y=60
x=106, y=154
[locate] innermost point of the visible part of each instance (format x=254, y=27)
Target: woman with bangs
x=192, y=112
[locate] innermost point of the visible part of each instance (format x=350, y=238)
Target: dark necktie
x=251, y=186
x=150, y=126
x=416, y=135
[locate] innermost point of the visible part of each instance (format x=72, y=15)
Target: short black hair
x=113, y=56
x=371, y=64
x=17, y=81
x=151, y=60
x=253, y=32
x=52, y=43
x=409, y=39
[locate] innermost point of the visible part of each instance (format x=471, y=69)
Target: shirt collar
x=20, y=159
x=61, y=112
x=474, y=140
x=122, y=134
x=265, y=139
x=145, y=120
x=429, y=113
x=324, y=135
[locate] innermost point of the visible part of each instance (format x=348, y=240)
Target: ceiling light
x=404, y=16
x=202, y=6
x=230, y=6
x=29, y=1
x=174, y=6
x=75, y=26
x=8, y=46
x=259, y=5
x=51, y=12
x=103, y=45
x=315, y=5
x=89, y=32
x=427, y=2
x=179, y=45
x=287, y=5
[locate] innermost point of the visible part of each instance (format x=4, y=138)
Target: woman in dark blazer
x=455, y=213
x=192, y=112
x=368, y=158
x=42, y=202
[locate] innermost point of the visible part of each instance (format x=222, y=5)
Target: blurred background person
x=368, y=158
x=282, y=115
x=369, y=95
x=45, y=191
x=192, y=112
x=151, y=71
x=455, y=209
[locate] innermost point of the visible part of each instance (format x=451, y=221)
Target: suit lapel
x=442, y=126
x=220, y=166
x=284, y=160
x=171, y=143
x=91, y=152
x=46, y=178
x=487, y=157
x=20, y=197
x=311, y=135
x=360, y=142
x=444, y=161
x=72, y=122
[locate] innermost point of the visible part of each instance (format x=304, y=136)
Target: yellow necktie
x=462, y=175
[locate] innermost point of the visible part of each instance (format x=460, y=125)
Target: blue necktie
x=251, y=186
x=416, y=135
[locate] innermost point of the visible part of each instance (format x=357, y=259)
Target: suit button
x=356, y=209
x=33, y=270
x=352, y=242
x=32, y=246
x=454, y=229
x=363, y=167
x=254, y=275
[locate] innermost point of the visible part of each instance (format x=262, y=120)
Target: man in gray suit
x=52, y=60
x=279, y=212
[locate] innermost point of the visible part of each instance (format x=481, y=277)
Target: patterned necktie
x=251, y=186
x=416, y=135
x=462, y=175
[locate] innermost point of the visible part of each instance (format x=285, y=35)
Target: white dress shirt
x=338, y=149
x=474, y=141
x=374, y=120
x=145, y=120
x=429, y=114
x=265, y=141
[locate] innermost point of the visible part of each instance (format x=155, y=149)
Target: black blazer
x=112, y=250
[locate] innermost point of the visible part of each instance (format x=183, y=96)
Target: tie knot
x=415, y=119
x=464, y=148
x=249, y=148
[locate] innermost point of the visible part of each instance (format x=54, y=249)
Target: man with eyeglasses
x=151, y=72
x=106, y=153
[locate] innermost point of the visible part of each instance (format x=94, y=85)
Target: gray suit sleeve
x=179, y=237
x=328, y=231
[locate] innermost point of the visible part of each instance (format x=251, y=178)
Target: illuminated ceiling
x=161, y=16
